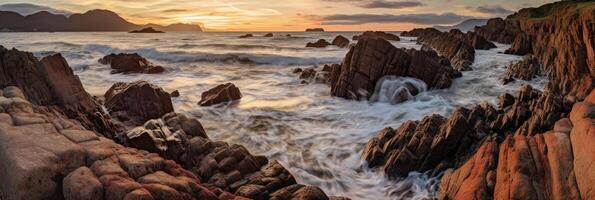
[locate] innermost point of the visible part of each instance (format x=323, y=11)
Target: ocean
x=319, y=138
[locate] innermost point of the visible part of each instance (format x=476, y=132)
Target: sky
x=296, y=15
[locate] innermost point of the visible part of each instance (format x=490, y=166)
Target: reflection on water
x=319, y=138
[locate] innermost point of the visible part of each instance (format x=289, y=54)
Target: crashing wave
x=394, y=90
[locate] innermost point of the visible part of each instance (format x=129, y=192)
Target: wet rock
x=341, y=41
x=130, y=63
x=175, y=93
x=526, y=69
x=220, y=94
x=269, y=35
x=297, y=70
x=246, y=36
x=318, y=44
x=371, y=59
x=377, y=34
x=137, y=101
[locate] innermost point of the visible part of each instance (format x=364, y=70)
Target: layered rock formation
x=220, y=94
x=371, y=59
x=560, y=35
x=137, y=101
x=51, y=82
x=435, y=142
x=377, y=34
x=130, y=63
x=526, y=69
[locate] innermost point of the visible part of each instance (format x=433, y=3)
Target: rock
x=309, y=193
x=146, y=30
x=82, y=184
x=297, y=70
x=498, y=30
x=175, y=93
x=138, y=101
x=246, y=36
x=315, y=30
x=453, y=46
x=126, y=62
x=220, y=94
x=269, y=35
x=377, y=34
x=526, y=69
x=371, y=59
x=21, y=69
x=505, y=100
x=473, y=39
x=155, y=70
x=341, y=41
x=318, y=44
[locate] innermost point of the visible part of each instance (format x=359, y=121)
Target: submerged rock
x=130, y=63
x=220, y=94
x=341, y=41
x=371, y=59
x=246, y=36
x=137, y=101
x=318, y=44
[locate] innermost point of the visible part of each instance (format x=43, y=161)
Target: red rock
x=526, y=69
x=318, y=44
x=309, y=193
x=139, y=101
x=341, y=41
x=82, y=184
x=220, y=94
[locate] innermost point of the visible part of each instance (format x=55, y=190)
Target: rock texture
x=436, y=142
x=560, y=35
x=220, y=94
x=137, y=102
x=526, y=69
x=371, y=59
x=322, y=43
x=51, y=82
x=377, y=34
x=340, y=41
x=130, y=63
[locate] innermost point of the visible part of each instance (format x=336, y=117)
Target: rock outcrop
x=222, y=93
x=560, y=35
x=146, y=30
x=371, y=59
x=130, y=63
x=136, y=102
x=377, y=34
x=436, y=142
x=526, y=69
x=322, y=43
x=458, y=48
x=51, y=82
x=473, y=39
x=341, y=41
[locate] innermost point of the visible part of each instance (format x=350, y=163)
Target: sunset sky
x=296, y=15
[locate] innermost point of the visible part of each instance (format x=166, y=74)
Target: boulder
x=377, y=34
x=371, y=59
x=220, y=94
x=318, y=44
x=137, y=101
x=130, y=63
x=341, y=41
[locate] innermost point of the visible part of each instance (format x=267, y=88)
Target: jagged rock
x=371, y=59
x=130, y=63
x=377, y=34
x=473, y=39
x=499, y=30
x=459, y=51
x=526, y=69
x=322, y=43
x=220, y=94
x=341, y=41
x=137, y=101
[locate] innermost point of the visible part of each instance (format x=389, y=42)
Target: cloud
x=423, y=18
x=27, y=9
x=493, y=10
x=390, y=4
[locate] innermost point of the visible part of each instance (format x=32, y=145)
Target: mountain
x=90, y=21
x=28, y=9
x=464, y=26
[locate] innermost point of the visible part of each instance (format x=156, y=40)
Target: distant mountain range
x=90, y=21
x=465, y=25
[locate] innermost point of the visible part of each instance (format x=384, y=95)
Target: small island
x=315, y=30
x=146, y=30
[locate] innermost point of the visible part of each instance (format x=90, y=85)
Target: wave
x=239, y=47
x=394, y=90
x=64, y=44
x=243, y=58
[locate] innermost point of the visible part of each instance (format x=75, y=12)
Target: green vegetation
x=570, y=8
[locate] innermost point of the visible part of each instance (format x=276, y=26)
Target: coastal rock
x=526, y=69
x=459, y=51
x=341, y=41
x=130, y=63
x=499, y=30
x=146, y=30
x=371, y=59
x=220, y=94
x=246, y=36
x=318, y=44
x=137, y=101
x=473, y=39
x=175, y=93
x=315, y=30
x=268, y=35
x=377, y=34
